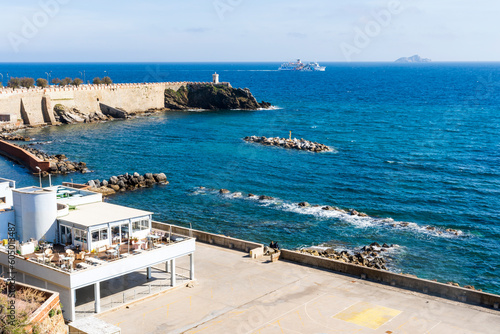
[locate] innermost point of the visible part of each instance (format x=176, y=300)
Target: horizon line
x=239, y=61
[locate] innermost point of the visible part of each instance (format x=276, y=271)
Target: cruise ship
x=300, y=66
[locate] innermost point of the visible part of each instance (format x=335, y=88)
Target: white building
x=6, y=203
x=68, y=218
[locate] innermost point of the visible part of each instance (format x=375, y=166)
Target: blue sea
x=416, y=144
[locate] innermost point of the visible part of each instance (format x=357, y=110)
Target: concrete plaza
x=236, y=294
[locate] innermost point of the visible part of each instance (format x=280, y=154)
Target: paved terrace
x=235, y=294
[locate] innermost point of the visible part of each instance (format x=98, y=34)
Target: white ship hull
x=300, y=66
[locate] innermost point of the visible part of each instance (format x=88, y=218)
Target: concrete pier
x=237, y=294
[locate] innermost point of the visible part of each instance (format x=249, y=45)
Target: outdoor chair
x=81, y=256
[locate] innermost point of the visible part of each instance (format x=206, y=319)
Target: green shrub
x=77, y=82
x=41, y=82
x=66, y=81
x=27, y=82
x=14, y=83
x=97, y=81
x=107, y=81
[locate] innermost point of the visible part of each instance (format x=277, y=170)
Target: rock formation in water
x=126, y=182
x=413, y=59
x=212, y=97
x=59, y=163
x=296, y=144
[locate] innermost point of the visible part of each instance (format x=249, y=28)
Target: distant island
x=413, y=59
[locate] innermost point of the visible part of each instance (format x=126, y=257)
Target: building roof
x=101, y=213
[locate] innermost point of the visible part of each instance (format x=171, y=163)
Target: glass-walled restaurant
x=106, y=231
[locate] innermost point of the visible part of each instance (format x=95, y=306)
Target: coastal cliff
x=211, y=97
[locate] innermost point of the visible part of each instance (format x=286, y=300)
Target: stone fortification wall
x=35, y=106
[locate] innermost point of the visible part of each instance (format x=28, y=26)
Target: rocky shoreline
x=13, y=137
x=296, y=144
x=371, y=256
x=59, y=163
x=126, y=182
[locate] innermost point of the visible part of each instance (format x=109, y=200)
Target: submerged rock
x=264, y=197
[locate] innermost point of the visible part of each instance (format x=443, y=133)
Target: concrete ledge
x=22, y=156
x=256, y=252
x=209, y=238
x=380, y=276
x=402, y=281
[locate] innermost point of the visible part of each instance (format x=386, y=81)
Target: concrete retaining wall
x=22, y=156
x=398, y=280
x=209, y=238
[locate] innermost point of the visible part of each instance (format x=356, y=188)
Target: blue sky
x=248, y=30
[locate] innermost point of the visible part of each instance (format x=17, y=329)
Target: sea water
x=417, y=144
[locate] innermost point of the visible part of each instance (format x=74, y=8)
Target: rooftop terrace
x=60, y=260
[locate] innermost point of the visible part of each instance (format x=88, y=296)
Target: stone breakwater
x=126, y=182
x=296, y=144
x=371, y=256
x=59, y=163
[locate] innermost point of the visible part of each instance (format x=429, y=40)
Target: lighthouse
x=215, y=78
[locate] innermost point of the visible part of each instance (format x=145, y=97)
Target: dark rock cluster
x=212, y=97
x=59, y=163
x=369, y=256
x=297, y=144
x=127, y=182
x=13, y=137
x=66, y=115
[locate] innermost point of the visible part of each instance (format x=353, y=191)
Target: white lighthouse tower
x=215, y=78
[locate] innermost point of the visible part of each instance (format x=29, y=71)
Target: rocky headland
x=126, y=182
x=296, y=144
x=212, y=97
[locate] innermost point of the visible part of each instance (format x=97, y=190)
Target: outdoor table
x=83, y=265
x=112, y=252
x=93, y=260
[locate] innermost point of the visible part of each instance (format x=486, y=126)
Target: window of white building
x=140, y=225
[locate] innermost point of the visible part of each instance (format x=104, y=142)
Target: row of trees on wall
x=40, y=82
